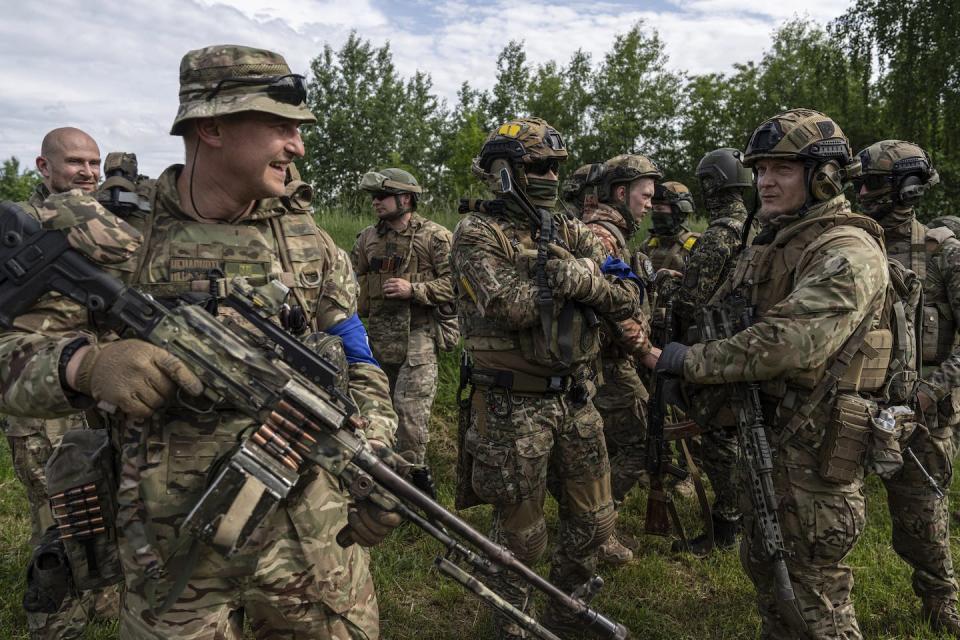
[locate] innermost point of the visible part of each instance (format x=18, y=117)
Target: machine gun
x=302, y=419
x=720, y=322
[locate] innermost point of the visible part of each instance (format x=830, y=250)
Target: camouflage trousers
x=921, y=521
x=30, y=453
x=719, y=453
x=524, y=446
x=821, y=522
x=622, y=403
x=273, y=587
x=413, y=387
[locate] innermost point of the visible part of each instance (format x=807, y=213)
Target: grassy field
x=658, y=596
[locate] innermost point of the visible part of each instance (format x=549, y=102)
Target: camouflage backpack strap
x=918, y=249
x=614, y=231
x=143, y=257
x=284, y=252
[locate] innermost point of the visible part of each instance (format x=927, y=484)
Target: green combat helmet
x=394, y=182
x=525, y=146
x=123, y=192
x=896, y=174
x=949, y=222
x=225, y=79
x=678, y=197
x=812, y=138
x=625, y=169
x=723, y=169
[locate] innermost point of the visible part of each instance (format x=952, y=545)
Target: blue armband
x=355, y=342
x=621, y=270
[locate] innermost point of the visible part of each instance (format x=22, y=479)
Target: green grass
x=659, y=596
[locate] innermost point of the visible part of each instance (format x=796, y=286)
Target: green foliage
x=14, y=184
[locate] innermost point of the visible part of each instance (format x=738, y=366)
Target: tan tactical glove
x=574, y=279
x=368, y=525
x=134, y=376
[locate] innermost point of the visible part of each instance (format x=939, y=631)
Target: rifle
x=716, y=324
x=304, y=420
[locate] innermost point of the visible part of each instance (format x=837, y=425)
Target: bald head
x=69, y=159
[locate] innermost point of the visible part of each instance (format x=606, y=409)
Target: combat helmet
x=225, y=79
x=723, y=169
x=678, y=197
x=896, y=173
x=523, y=146
x=949, y=222
x=123, y=191
x=812, y=138
x=625, y=169
x=394, y=182
x=581, y=182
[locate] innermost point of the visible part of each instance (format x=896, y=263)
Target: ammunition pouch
x=939, y=333
x=572, y=335
x=82, y=489
x=867, y=370
x=844, y=447
x=892, y=428
x=49, y=579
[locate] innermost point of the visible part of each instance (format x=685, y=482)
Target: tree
x=14, y=185
x=509, y=97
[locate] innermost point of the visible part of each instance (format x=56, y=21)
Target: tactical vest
x=766, y=275
x=528, y=353
x=671, y=252
x=392, y=254
x=280, y=241
x=939, y=329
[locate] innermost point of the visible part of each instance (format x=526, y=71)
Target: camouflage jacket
x=830, y=281
x=710, y=261
x=670, y=252
x=935, y=255
x=180, y=444
x=493, y=260
x=419, y=254
x=621, y=384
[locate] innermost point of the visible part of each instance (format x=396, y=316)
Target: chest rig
x=528, y=353
x=672, y=252
x=766, y=274
x=393, y=254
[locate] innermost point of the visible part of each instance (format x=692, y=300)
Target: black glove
x=671, y=359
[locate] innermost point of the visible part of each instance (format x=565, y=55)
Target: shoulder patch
x=692, y=240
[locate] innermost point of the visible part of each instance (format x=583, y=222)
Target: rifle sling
x=705, y=511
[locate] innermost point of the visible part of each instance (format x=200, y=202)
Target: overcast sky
x=111, y=68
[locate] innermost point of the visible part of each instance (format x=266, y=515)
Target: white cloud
x=112, y=69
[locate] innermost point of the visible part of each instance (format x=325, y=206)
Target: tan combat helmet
x=677, y=196
x=812, y=138
x=524, y=145
x=896, y=173
x=224, y=79
x=625, y=169
x=722, y=169
x=394, y=182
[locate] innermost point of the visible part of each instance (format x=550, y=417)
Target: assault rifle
x=303, y=419
x=716, y=323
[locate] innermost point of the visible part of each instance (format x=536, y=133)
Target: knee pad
x=527, y=544
x=585, y=532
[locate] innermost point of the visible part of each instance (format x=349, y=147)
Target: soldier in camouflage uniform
x=533, y=426
x=894, y=177
x=69, y=159
x=816, y=277
x=403, y=265
x=723, y=180
x=624, y=194
x=670, y=242
x=231, y=210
